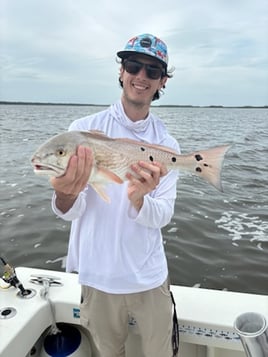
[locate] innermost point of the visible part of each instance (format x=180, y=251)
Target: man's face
x=139, y=88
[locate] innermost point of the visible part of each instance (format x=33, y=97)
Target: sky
x=65, y=50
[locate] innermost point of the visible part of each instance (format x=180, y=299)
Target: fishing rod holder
x=252, y=329
x=27, y=294
x=7, y=313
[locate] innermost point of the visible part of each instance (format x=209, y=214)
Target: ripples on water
x=215, y=240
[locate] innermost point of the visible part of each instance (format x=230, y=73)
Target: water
x=215, y=240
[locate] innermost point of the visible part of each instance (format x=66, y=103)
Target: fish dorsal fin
x=149, y=146
x=98, y=134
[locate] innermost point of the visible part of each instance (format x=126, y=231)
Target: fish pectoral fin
x=109, y=175
x=99, y=188
x=101, y=178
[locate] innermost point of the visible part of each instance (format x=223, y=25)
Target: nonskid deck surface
x=206, y=317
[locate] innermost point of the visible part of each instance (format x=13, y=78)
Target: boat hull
x=206, y=317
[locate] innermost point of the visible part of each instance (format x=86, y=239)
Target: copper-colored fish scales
x=113, y=158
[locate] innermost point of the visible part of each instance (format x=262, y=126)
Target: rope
x=44, y=294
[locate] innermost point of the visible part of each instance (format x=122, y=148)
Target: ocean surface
x=215, y=240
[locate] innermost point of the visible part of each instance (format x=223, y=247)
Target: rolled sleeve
x=75, y=211
x=158, y=208
x=155, y=213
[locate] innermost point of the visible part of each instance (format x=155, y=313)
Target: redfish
x=113, y=158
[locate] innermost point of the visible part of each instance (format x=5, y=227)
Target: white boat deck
x=206, y=317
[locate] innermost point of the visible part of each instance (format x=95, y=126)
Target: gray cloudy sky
x=64, y=50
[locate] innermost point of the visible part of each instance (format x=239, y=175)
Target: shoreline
x=156, y=106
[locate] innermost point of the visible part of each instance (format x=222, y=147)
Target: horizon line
x=7, y=102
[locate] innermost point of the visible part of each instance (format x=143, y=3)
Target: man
x=117, y=248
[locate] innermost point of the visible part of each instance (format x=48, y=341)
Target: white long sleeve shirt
x=113, y=247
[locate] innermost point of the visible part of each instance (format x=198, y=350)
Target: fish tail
x=208, y=164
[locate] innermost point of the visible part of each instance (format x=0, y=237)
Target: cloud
x=69, y=46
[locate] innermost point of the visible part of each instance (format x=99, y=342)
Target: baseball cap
x=146, y=44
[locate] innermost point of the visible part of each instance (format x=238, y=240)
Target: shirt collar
x=120, y=115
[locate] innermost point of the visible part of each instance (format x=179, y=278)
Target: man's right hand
x=75, y=179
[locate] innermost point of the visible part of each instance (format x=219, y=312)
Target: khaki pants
x=107, y=317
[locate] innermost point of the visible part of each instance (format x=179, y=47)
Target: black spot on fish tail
x=151, y=158
x=198, y=157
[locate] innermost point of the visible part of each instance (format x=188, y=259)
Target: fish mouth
x=50, y=170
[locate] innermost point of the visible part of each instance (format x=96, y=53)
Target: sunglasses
x=152, y=72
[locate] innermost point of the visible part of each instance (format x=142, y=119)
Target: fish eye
x=60, y=152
